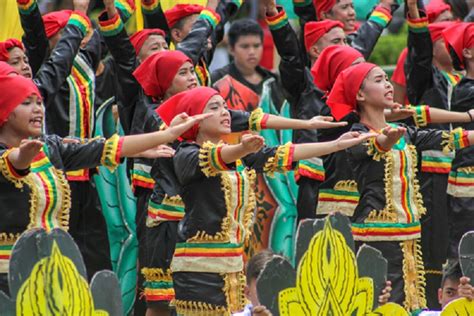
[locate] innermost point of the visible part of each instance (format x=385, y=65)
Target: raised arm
x=419, y=63
x=54, y=72
x=366, y=37
x=153, y=15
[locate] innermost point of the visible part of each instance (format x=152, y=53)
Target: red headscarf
x=313, y=31
x=139, y=38
x=435, y=8
x=9, y=44
x=459, y=36
x=6, y=69
x=323, y=6
x=181, y=11
x=156, y=73
x=191, y=102
x=330, y=63
x=55, y=21
x=342, y=99
x=15, y=89
x=436, y=30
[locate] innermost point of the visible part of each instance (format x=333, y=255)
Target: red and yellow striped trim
x=112, y=26
x=111, y=152
x=405, y=186
x=302, y=3
x=212, y=17
x=5, y=252
x=278, y=21
x=384, y=232
x=422, y=115
x=9, y=171
x=282, y=161
x=418, y=25
x=258, y=120
x=78, y=175
x=154, y=295
x=339, y=196
x=381, y=16
x=166, y=211
x=310, y=170
x=208, y=250
x=81, y=21
x=26, y=6
x=127, y=8
x=459, y=138
x=150, y=6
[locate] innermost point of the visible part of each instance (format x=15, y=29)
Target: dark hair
x=244, y=27
x=257, y=263
x=180, y=24
x=459, y=8
x=452, y=271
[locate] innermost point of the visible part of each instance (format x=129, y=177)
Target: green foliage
x=389, y=47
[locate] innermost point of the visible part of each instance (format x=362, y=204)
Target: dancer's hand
x=350, y=139
x=252, y=143
x=385, y=296
x=323, y=122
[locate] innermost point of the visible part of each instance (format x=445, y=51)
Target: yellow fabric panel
x=138, y=15
x=10, y=26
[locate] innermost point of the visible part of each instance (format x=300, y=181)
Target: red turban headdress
x=313, y=31
x=139, y=38
x=191, y=102
x=156, y=73
x=343, y=97
x=15, y=89
x=7, y=45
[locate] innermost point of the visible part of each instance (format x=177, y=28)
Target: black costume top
x=40, y=196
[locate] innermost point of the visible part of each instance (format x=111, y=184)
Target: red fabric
x=6, y=69
x=9, y=44
x=399, y=72
x=459, y=36
x=435, y=8
x=156, y=73
x=191, y=102
x=139, y=38
x=330, y=63
x=181, y=11
x=436, y=29
x=15, y=89
x=342, y=99
x=267, y=61
x=313, y=31
x=323, y=6
x=55, y=21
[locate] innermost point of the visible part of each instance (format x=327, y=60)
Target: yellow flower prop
x=55, y=287
x=328, y=282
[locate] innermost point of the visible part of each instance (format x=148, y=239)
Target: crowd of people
x=395, y=158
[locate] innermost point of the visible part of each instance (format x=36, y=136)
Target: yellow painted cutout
x=55, y=287
x=459, y=307
x=328, y=282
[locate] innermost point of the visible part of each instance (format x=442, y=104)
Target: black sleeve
x=195, y=44
x=54, y=72
x=186, y=163
x=292, y=65
x=35, y=40
x=271, y=159
x=419, y=63
x=239, y=121
x=88, y=154
x=153, y=15
x=366, y=37
x=126, y=62
x=92, y=51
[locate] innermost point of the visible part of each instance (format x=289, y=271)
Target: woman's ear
x=360, y=96
x=467, y=53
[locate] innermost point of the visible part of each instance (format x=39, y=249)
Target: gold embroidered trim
x=222, y=236
x=346, y=185
x=109, y=154
x=373, y=151
x=413, y=275
x=205, y=159
x=436, y=272
x=252, y=204
x=18, y=182
x=255, y=120
x=8, y=238
x=418, y=198
x=234, y=290
x=156, y=274
x=278, y=162
x=466, y=170
x=449, y=140
x=193, y=308
x=388, y=214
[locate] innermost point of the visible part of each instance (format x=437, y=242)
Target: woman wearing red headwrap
x=209, y=280
x=13, y=52
x=430, y=79
x=460, y=42
x=30, y=161
x=390, y=208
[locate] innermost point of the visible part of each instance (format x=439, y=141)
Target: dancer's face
x=27, y=118
x=377, y=89
x=19, y=61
